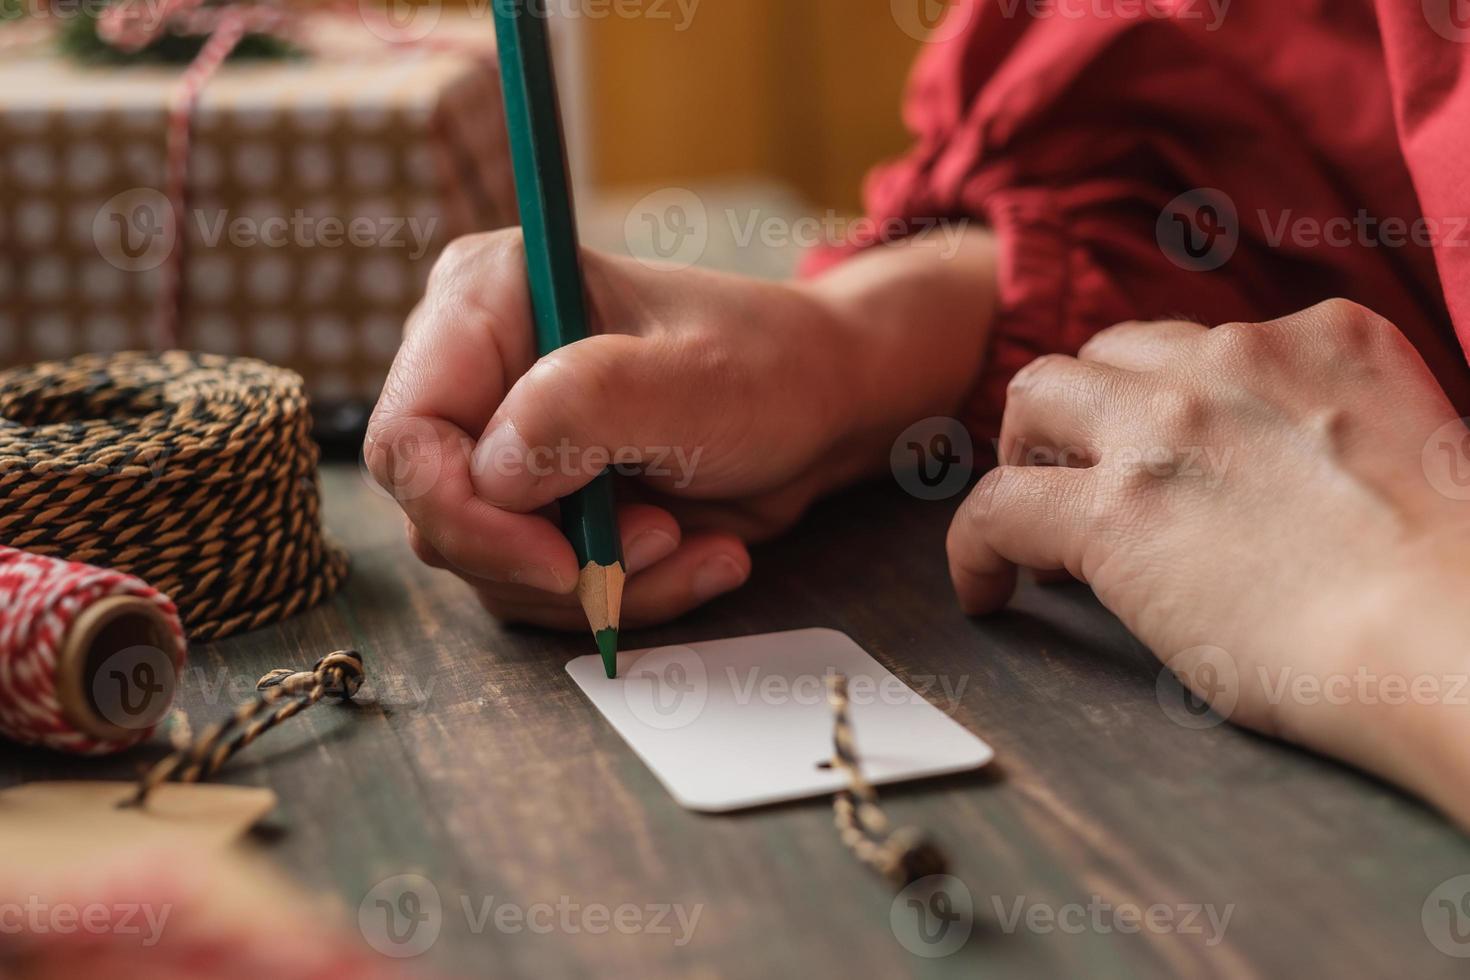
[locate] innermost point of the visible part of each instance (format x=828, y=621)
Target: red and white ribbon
x=40, y=599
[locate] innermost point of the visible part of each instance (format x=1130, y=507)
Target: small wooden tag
x=45, y=823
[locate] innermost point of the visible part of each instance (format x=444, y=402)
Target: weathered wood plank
x=482, y=768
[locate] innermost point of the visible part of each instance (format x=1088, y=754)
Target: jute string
x=902, y=856
x=193, y=472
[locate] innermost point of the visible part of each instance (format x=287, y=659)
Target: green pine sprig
x=78, y=40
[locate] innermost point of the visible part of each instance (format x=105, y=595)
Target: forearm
x=913, y=322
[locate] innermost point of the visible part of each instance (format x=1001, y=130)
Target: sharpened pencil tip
x=607, y=645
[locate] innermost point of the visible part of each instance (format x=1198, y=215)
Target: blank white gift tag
x=744, y=722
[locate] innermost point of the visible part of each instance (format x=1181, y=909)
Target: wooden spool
x=116, y=635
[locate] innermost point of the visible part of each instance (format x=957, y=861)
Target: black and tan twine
x=193, y=472
x=902, y=856
x=281, y=695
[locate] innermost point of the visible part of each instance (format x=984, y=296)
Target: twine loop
x=340, y=674
x=280, y=695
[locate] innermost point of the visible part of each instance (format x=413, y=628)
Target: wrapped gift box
x=320, y=190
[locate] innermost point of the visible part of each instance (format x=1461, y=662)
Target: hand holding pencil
x=558, y=304
x=735, y=403
x=741, y=402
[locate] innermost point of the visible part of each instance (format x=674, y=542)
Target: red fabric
x=1069, y=126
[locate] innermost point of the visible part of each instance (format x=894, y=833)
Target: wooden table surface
x=483, y=769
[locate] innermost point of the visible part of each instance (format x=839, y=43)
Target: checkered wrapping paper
x=321, y=190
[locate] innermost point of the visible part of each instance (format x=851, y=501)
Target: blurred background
x=335, y=154
x=766, y=110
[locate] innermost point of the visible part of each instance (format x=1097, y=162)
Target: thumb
x=606, y=400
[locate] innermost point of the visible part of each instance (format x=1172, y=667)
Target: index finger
x=468, y=339
x=464, y=344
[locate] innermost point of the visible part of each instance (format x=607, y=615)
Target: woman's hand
x=740, y=402
x=1272, y=508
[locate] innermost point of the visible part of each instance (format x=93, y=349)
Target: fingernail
x=717, y=576
x=647, y=548
x=498, y=469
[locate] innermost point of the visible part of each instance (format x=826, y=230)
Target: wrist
x=908, y=326
x=1415, y=726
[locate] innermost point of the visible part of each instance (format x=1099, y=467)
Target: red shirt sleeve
x=1427, y=53
x=1173, y=158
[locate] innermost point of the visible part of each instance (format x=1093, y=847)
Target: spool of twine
x=89, y=657
x=193, y=472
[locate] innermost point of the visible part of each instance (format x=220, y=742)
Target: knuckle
x=1108, y=335
x=1035, y=375
x=1243, y=343
x=1338, y=309
x=1179, y=413
x=1357, y=331
x=377, y=445
x=471, y=254
x=984, y=501
x=588, y=369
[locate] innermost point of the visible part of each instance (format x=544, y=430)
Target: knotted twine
x=281, y=695
x=901, y=856
x=193, y=472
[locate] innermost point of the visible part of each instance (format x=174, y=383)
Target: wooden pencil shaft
x=543, y=192
x=549, y=227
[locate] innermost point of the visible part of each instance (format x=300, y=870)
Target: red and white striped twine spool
x=43, y=602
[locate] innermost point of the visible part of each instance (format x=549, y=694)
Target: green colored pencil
x=558, y=301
